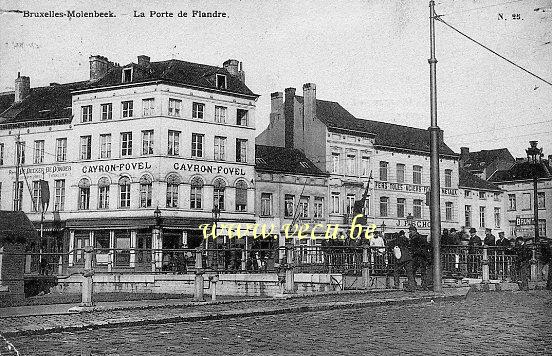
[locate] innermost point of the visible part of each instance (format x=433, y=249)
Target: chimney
x=289, y=116
x=241, y=73
x=99, y=66
x=231, y=67
x=464, y=155
x=144, y=61
x=276, y=102
x=22, y=87
x=309, y=101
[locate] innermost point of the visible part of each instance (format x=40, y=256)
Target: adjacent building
x=517, y=182
x=171, y=137
x=351, y=150
x=485, y=163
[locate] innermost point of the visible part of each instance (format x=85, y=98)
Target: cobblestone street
x=484, y=323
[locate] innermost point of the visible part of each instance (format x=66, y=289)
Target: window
x=335, y=162
x=38, y=151
x=350, y=205
x=303, y=207
x=174, y=107
x=511, y=202
x=526, y=201
x=241, y=117
x=481, y=216
x=127, y=75
x=497, y=217
x=400, y=172
x=289, y=205
x=448, y=178
x=449, y=212
x=107, y=111
x=173, y=181
x=482, y=195
x=542, y=227
x=1, y=154
x=318, y=207
x=17, y=196
x=36, y=196
x=196, y=193
x=61, y=149
x=401, y=207
x=148, y=107
x=126, y=143
x=174, y=143
x=21, y=152
x=105, y=146
x=467, y=194
x=540, y=200
x=384, y=205
x=417, y=208
x=266, y=204
x=335, y=203
x=103, y=193
x=383, y=170
x=417, y=174
x=86, y=147
x=127, y=107
x=241, y=196
x=220, y=144
x=221, y=81
x=219, y=186
x=145, y=191
x=84, y=194
x=197, y=110
x=197, y=145
x=59, y=194
x=241, y=150
x=467, y=216
x=86, y=113
x=220, y=114
x=365, y=166
x=351, y=164
x=147, y=142
x=124, y=192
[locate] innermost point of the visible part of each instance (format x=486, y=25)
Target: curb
x=203, y=316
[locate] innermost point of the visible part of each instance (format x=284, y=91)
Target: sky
x=370, y=56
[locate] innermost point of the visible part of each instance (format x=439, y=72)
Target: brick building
x=350, y=149
x=172, y=135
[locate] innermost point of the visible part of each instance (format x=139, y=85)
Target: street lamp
x=534, y=157
x=157, y=256
x=383, y=227
x=157, y=216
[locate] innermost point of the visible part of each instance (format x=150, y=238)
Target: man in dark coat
x=421, y=256
x=523, y=262
x=474, y=252
x=404, y=262
x=489, y=238
x=502, y=240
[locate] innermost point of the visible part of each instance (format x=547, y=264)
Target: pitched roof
x=469, y=180
x=42, y=104
x=284, y=160
x=523, y=171
x=15, y=227
x=480, y=159
x=177, y=72
x=338, y=119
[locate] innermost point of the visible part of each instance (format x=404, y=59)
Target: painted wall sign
x=402, y=187
x=207, y=168
x=40, y=170
x=116, y=167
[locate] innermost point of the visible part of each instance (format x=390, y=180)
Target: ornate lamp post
x=382, y=226
x=534, y=156
x=157, y=256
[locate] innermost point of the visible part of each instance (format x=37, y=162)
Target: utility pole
x=435, y=188
x=16, y=197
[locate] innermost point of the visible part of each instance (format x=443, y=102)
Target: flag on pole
x=44, y=194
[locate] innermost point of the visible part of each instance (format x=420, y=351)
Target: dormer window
x=127, y=75
x=221, y=81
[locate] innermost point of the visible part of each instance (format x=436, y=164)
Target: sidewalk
x=32, y=320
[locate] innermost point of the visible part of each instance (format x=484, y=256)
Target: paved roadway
x=504, y=323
